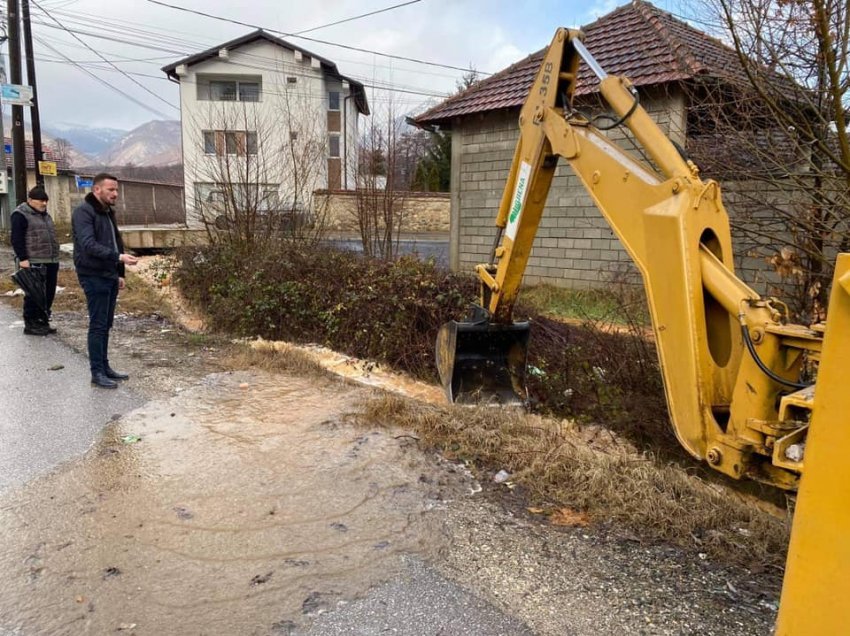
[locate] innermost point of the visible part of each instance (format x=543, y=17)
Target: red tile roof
x=638, y=40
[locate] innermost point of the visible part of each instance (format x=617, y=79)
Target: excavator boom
x=730, y=361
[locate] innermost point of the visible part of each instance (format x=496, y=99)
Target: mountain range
x=156, y=143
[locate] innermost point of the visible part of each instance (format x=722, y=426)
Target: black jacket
x=97, y=242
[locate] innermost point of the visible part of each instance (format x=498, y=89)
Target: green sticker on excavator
x=518, y=199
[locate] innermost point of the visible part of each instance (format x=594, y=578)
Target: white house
x=273, y=119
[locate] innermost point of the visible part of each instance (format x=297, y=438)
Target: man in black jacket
x=35, y=245
x=99, y=259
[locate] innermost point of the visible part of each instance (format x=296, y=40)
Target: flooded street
x=241, y=506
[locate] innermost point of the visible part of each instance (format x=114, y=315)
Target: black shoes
x=37, y=330
x=112, y=374
x=100, y=379
x=107, y=379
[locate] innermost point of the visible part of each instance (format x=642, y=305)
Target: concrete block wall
x=574, y=247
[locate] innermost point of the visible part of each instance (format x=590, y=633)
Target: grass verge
x=621, y=307
x=137, y=298
x=561, y=465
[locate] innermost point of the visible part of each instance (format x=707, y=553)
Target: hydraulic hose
x=745, y=332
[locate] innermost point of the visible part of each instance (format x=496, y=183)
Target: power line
x=104, y=82
x=284, y=34
x=99, y=66
x=357, y=17
x=124, y=28
x=154, y=42
x=412, y=90
x=135, y=81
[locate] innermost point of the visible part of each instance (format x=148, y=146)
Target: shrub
x=387, y=311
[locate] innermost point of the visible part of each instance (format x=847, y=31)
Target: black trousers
x=101, y=295
x=33, y=314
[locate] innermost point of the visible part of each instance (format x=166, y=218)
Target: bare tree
x=382, y=185
x=777, y=133
x=254, y=183
x=303, y=159
x=469, y=78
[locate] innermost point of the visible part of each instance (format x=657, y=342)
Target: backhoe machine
x=731, y=360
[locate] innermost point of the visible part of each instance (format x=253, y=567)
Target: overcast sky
x=140, y=36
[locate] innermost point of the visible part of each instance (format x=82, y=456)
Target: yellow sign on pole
x=47, y=168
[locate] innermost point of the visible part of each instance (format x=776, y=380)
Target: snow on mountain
x=87, y=140
x=156, y=143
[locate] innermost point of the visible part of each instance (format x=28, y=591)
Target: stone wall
x=422, y=212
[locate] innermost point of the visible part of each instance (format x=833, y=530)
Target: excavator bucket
x=480, y=362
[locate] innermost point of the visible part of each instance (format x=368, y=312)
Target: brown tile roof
x=638, y=40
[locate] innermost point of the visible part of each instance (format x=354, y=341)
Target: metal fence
x=145, y=203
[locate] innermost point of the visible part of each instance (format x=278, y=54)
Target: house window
x=251, y=143
x=223, y=91
x=209, y=142
x=228, y=197
x=248, y=89
x=333, y=145
x=333, y=100
x=230, y=142
x=269, y=200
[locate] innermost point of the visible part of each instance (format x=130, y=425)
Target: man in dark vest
x=99, y=259
x=35, y=245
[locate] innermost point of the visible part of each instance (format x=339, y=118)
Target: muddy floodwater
x=242, y=506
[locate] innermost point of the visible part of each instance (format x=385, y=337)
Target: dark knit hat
x=38, y=193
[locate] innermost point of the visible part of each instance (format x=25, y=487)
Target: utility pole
x=19, y=159
x=5, y=222
x=35, y=120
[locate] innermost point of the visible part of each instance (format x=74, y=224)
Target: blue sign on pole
x=84, y=182
x=8, y=148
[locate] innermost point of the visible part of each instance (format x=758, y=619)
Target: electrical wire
x=284, y=34
x=105, y=83
x=138, y=83
x=124, y=27
x=366, y=83
x=357, y=17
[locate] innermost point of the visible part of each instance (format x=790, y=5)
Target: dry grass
x=137, y=298
x=286, y=360
x=140, y=299
x=561, y=465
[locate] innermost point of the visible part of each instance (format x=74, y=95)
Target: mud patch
x=365, y=372
x=224, y=514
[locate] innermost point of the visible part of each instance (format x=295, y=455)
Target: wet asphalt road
x=47, y=417
x=418, y=602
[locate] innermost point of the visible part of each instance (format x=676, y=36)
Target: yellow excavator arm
x=730, y=361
